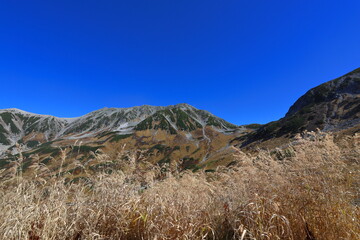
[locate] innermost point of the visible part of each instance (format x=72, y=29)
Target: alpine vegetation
x=309, y=189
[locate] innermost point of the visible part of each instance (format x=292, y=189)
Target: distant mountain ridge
x=32, y=129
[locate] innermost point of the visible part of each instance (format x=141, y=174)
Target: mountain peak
x=184, y=105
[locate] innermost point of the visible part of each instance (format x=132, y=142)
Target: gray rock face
x=15, y=124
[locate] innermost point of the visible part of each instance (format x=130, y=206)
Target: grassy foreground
x=308, y=190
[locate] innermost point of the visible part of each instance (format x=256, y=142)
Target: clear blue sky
x=245, y=61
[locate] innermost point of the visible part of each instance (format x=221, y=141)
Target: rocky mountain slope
x=179, y=132
x=23, y=127
x=332, y=106
x=20, y=126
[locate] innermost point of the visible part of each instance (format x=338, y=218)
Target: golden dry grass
x=307, y=190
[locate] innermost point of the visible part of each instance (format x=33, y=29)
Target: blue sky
x=245, y=61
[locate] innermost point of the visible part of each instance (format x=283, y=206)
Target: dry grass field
x=306, y=190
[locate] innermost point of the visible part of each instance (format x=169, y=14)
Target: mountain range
x=17, y=125
x=178, y=133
